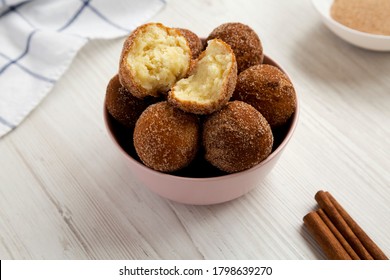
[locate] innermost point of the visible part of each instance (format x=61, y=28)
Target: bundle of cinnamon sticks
x=339, y=236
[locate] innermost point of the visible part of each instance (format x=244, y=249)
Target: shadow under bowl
x=201, y=183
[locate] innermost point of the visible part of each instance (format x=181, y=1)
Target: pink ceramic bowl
x=201, y=183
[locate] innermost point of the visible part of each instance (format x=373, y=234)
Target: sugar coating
x=269, y=90
x=165, y=138
x=237, y=137
x=243, y=40
x=122, y=105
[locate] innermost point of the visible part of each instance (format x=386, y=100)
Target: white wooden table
x=66, y=192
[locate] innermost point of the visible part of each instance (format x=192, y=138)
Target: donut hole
x=122, y=105
x=158, y=58
x=209, y=76
x=237, y=137
x=165, y=138
x=243, y=40
x=269, y=91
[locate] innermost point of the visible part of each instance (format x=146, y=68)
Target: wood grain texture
x=66, y=192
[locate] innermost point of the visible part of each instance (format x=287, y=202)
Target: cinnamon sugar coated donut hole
x=165, y=138
x=269, y=90
x=211, y=81
x=193, y=40
x=153, y=58
x=237, y=137
x=243, y=40
x=122, y=105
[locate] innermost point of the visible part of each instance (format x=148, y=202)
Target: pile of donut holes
x=233, y=136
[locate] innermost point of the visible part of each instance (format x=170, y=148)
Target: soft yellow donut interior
x=158, y=58
x=206, y=83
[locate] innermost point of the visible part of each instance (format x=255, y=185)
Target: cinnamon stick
x=367, y=242
x=338, y=235
x=326, y=204
x=324, y=237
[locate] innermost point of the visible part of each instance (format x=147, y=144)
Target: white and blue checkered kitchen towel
x=40, y=38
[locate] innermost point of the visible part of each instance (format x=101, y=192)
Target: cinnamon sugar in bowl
x=362, y=32
x=200, y=183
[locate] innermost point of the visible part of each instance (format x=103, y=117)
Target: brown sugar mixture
x=370, y=16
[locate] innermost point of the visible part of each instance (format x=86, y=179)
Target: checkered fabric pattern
x=40, y=38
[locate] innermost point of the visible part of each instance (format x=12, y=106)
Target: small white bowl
x=213, y=188
x=357, y=38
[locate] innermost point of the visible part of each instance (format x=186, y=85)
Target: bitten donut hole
x=158, y=58
x=205, y=85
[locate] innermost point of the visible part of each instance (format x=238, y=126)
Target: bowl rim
x=291, y=129
x=327, y=16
